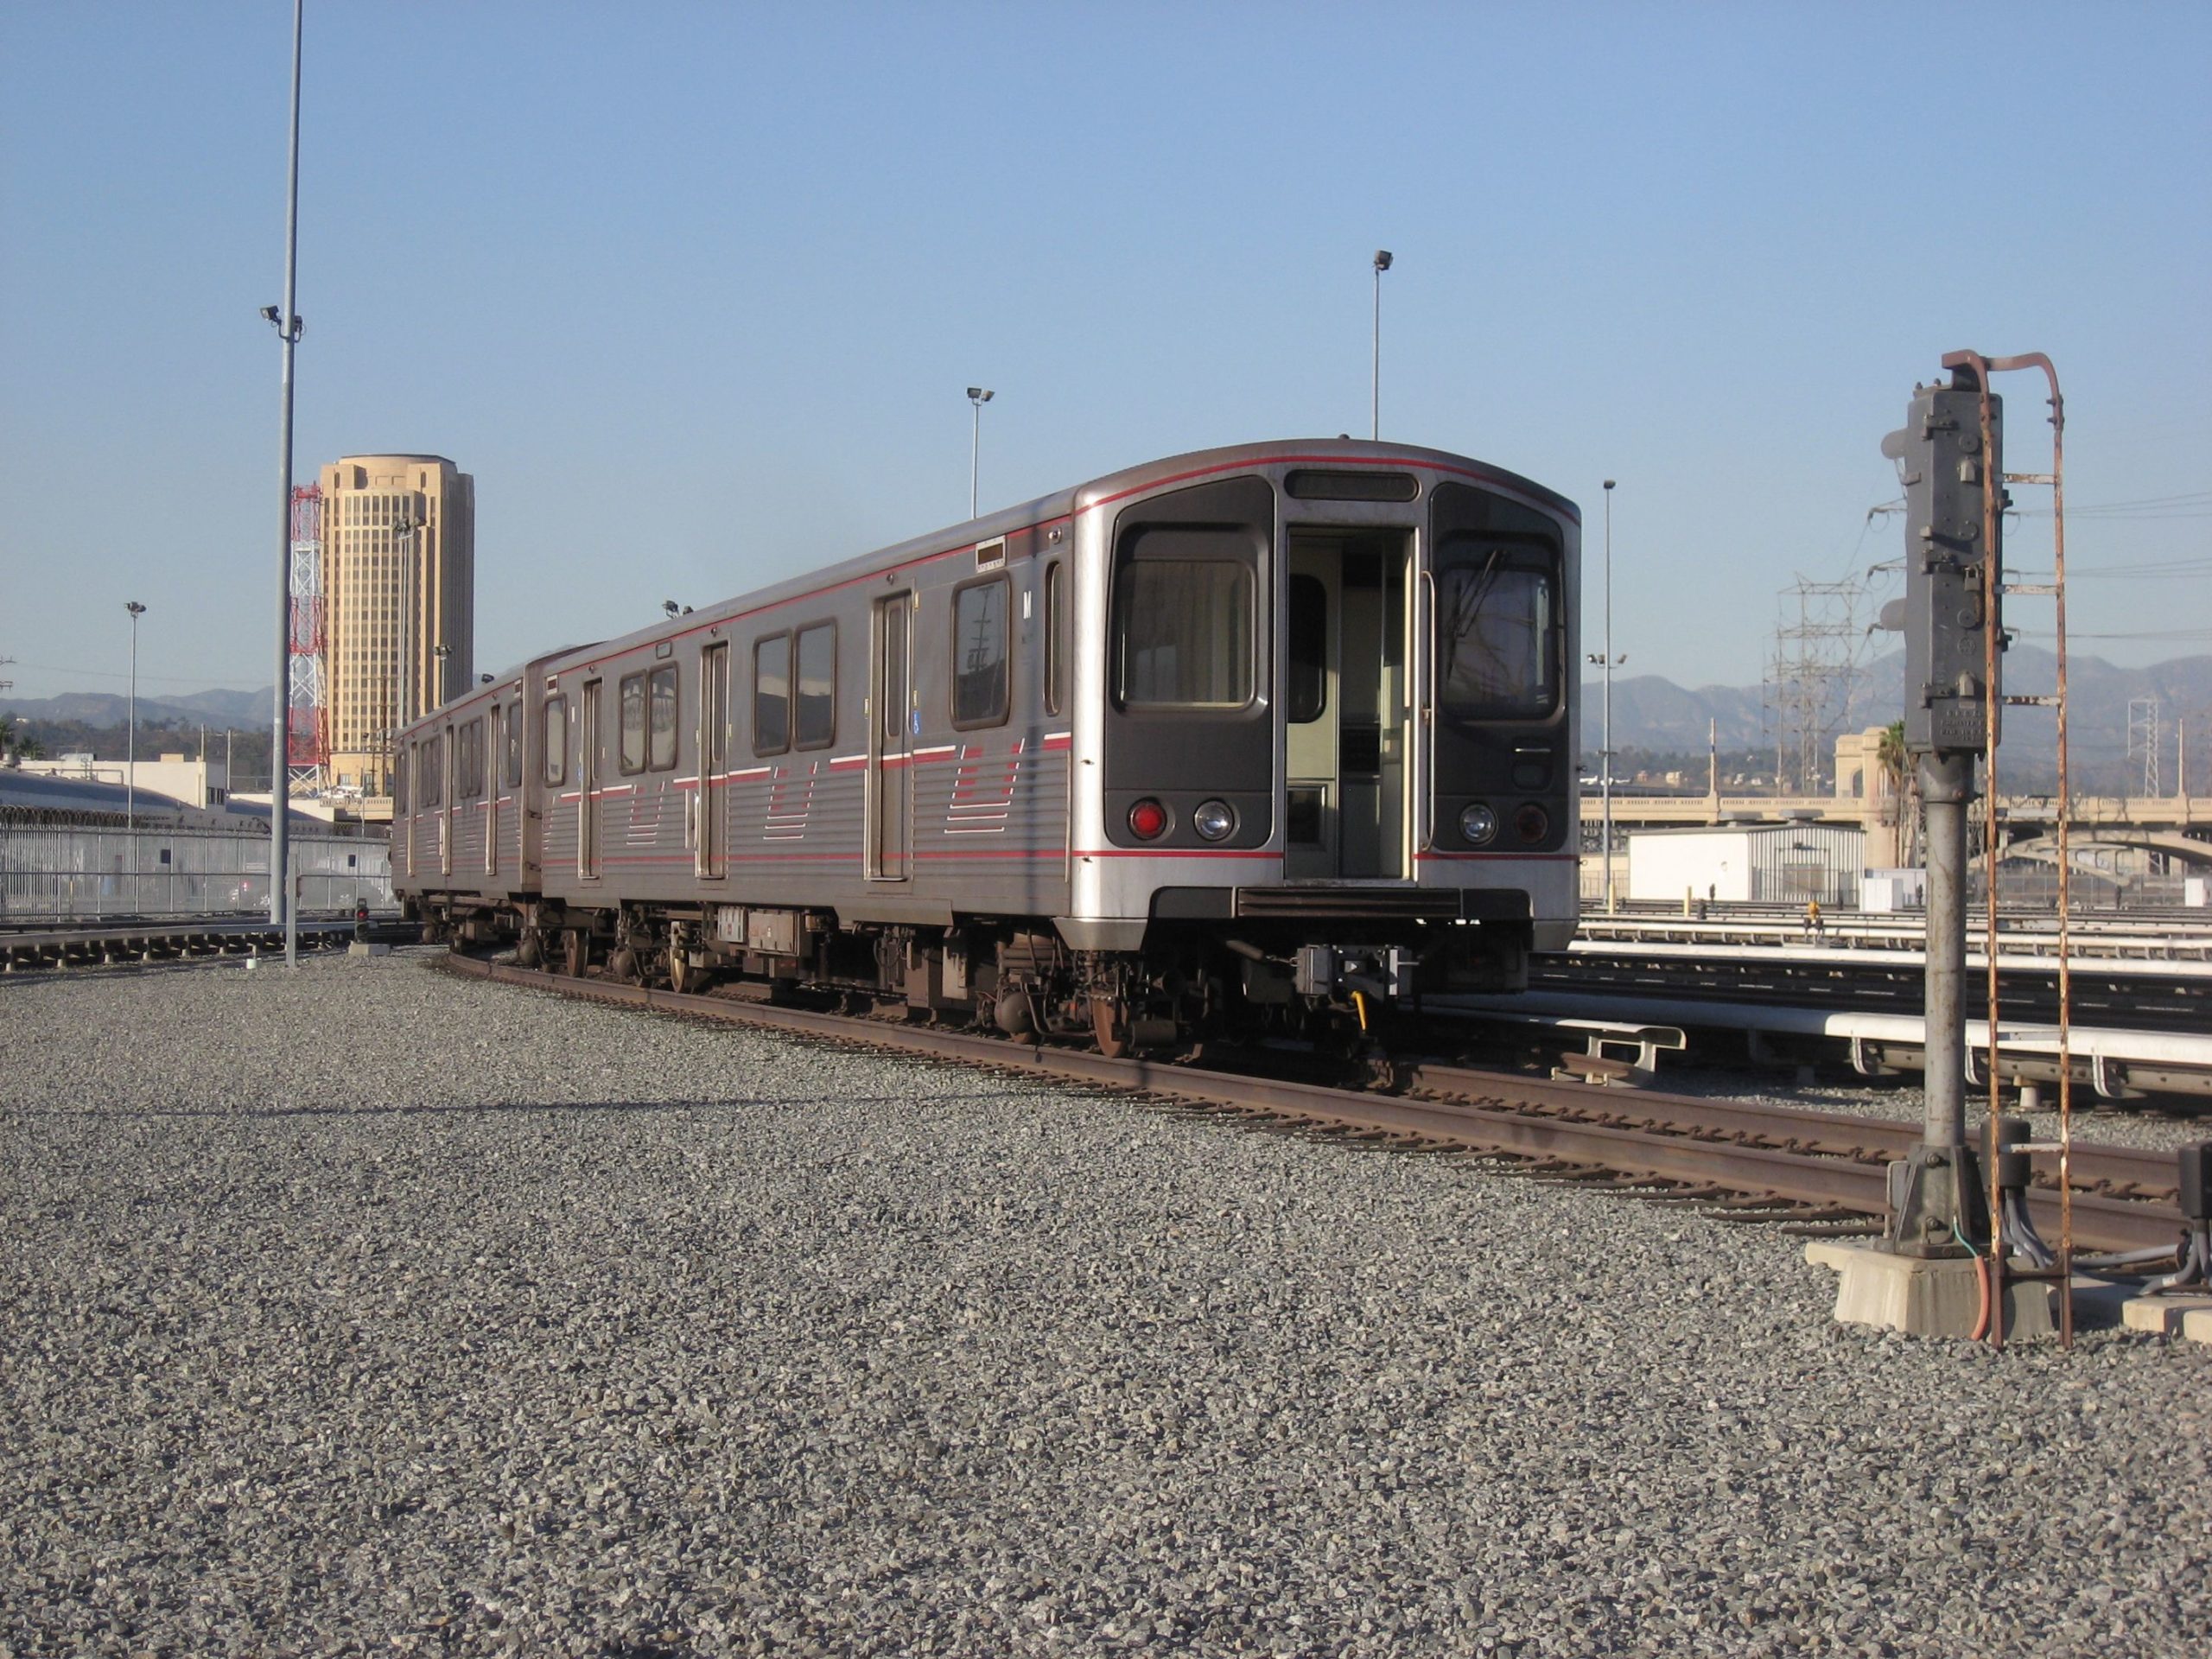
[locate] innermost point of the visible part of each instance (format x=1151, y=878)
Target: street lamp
x=440, y=652
x=977, y=396
x=130, y=754
x=1374, y=389
x=1607, y=661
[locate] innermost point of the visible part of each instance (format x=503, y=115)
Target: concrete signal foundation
x=1924, y=1297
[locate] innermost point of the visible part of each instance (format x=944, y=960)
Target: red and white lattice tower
x=306, y=703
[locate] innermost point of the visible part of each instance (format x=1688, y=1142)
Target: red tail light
x=1147, y=820
x=1532, y=824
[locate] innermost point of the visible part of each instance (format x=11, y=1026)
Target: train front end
x=1327, y=744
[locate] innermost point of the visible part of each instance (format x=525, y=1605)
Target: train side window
x=772, y=695
x=1497, y=625
x=556, y=737
x=979, y=653
x=400, y=783
x=660, y=687
x=632, y=755
x=1056, y=649
x=817, y=686
x=514, y=744
x=1307, y=648
x=469, y=761
x=1183, y=635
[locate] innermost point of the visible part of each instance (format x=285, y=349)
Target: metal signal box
x=1953, y=572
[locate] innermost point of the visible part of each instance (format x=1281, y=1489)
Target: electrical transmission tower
x=1812, y=676
x=2143, y=736
x=308, y=697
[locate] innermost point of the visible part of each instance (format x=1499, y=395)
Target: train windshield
x=1186, y=628
x=1496, y=613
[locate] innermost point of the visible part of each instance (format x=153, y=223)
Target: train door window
x=1496, y=622
x=514, y=744
x=399, y=783
x=660, y=697
x=433, y=773
x=589, y=762
x=1306, y=650
x=632, y=755
x=772, y=695
x=817, y=687
x=979, y=653
x=709, y=828
x=556, y=737
x=1183, y=635
x=1055, y=650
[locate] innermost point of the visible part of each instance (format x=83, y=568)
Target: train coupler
x=1360, y=976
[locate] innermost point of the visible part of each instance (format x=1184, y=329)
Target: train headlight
x=1478, y=823
x=1148, y=820
x=1532, y=824
x=1214, y=819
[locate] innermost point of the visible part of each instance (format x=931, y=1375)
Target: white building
x=1747, y=863
x=204, y=783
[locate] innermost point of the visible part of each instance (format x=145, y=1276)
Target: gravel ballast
x=363, y=1308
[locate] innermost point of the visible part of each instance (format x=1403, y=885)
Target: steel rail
x=1518, y=1129
x=30, y=952
x=2118, y=1171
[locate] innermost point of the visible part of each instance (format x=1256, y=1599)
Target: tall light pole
x=130, y=754
x=287, y=323
x=977, y=396
x=1375, y=381
x=440, y=652
x=1606, y=661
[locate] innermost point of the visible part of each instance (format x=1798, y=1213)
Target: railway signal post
x=1938, y=1208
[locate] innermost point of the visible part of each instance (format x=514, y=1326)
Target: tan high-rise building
x=399, y=601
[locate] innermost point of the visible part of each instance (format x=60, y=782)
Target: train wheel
x=1109, y=1023
x=529, y=949
x=682, y=977
x=623, y=966
x=577, y=952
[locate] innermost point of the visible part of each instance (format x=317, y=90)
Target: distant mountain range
x=1651, y=715
x=215, y=710
x=1657, y=717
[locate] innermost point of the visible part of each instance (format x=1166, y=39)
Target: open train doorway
x=1348, y=737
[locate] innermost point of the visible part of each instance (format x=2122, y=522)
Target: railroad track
x=2135, y=996
x=1818, y=1173
x=44, y=948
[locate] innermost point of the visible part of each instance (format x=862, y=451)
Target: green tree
x=1902, y=787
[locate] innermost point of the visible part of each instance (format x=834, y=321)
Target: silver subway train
x=1267, y=738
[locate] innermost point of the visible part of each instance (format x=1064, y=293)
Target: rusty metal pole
x=1991, y=703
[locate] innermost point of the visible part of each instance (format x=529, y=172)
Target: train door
x=891, y=741
x=1347, y=731
x=587, y=769
x=714, y=759
x=446, y=789
x=495, y=776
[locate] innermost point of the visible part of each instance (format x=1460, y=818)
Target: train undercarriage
x=1189, y=984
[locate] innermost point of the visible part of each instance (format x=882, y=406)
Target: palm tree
x=1901, y=782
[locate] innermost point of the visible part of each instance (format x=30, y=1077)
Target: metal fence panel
x=50, y=874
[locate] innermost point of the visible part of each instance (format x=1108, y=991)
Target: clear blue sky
x=694, y=291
